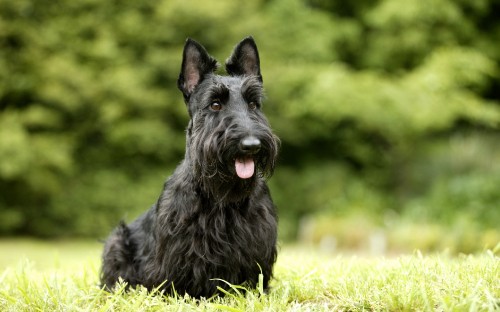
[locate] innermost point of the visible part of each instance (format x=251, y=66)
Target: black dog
x=215, y=219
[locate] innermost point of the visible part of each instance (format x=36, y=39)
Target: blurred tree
x=366, y=96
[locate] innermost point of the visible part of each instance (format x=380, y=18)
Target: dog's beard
x=222, y=175
x=223, y=171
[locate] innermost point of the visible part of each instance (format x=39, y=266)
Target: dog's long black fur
x=215, y=219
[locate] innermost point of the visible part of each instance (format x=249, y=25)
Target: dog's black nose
x=250, y=145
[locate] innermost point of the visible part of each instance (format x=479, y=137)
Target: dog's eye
x=215, y=106
x=252, y=105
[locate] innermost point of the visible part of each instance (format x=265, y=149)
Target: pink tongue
x=244, y=167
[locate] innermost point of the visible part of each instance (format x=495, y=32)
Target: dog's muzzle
x=245, y=165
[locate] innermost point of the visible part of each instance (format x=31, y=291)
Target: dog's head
x=229, y=138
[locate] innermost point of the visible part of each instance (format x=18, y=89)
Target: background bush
x=385, y=107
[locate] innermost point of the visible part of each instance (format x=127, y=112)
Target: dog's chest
x=225, y=234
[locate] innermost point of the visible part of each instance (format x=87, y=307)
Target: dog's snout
x=250, y=145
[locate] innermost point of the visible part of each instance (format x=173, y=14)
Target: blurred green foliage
x=384, y=107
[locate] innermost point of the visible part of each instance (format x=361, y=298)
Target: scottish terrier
x=214, y=223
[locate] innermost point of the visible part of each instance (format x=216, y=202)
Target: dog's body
x=215, y=220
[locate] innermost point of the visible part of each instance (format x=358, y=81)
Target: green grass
x=63, y=277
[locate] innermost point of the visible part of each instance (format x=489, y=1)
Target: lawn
x=62, y=276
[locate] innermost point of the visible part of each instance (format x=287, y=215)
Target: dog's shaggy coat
x=215, y=219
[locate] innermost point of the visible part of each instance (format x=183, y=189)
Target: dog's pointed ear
x=196, y=63
x=245, y=60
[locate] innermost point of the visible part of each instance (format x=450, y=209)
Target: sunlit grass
x=49, y=254
x=305, y=280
